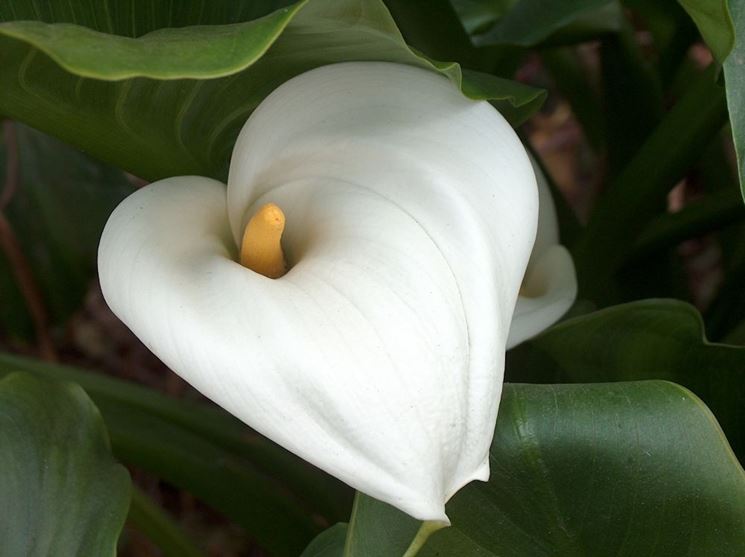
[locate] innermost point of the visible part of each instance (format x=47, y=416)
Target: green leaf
x=60, y=205
x=281, y=501
x=651, y=339
x=588, y=26
x=63, y=492
x=530, y=22
x=377, y=529
x=256, y=500
x=433, y=27
x=478, y=15
x=329, y=543
x=178, y=116
x=198, y=52
x=516, y=100
x=159, y=527
x=734, y=75
x=712, y=17
x=138, y=17
x=714, y=212
x=621, y=469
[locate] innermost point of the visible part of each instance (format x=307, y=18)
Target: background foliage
x=608, y=439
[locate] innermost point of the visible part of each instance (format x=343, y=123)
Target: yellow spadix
x=261, y=250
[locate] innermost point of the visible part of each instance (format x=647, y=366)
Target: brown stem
x=11, y=164
x=12, y=249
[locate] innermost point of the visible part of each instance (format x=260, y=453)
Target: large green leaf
x=734, y=74
x=135, y=18
x=200, y=52
x=279, y=500
x=651, y=339
x=62, y=491
x=60, y=205
x=182, y=103
x=623, y=469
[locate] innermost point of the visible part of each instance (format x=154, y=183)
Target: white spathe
x=379, y=357
x=550, y=283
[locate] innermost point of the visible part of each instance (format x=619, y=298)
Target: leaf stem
x=427, y=528
x=12, y=164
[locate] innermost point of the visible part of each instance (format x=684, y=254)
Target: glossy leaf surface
x=594, y=469
x=650, y=339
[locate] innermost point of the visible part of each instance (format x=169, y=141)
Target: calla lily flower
x=407, y=216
